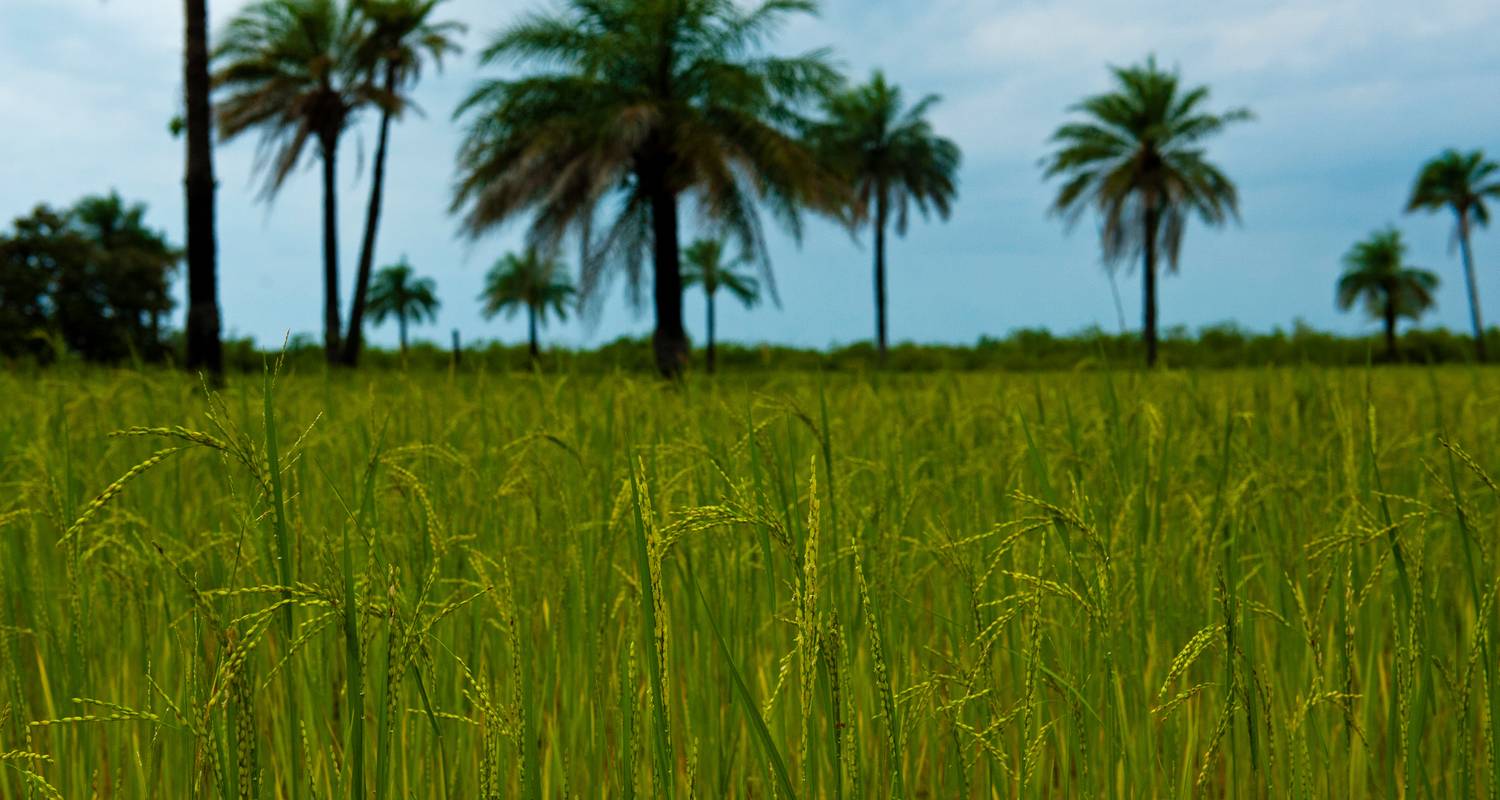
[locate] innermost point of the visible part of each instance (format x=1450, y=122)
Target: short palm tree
x=291, y=69
x=1137, y=158
x=1375, y=272
x=891, y=159
x=530, y=281
x=398, y=292
x=1461, y=182
x=705, y=266
x=399, y=38
x=632, y=105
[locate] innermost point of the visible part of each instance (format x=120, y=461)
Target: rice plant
x=1276, y=583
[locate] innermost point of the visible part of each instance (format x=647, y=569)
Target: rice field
x=437, y=585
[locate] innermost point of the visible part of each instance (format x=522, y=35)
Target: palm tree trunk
x=713, y=357
x=1468, y=256
x=1390, y=327
x=329, y=144
x=536, y=352
x=670, y=339
x=204, y=351
x=355, y=340
x=880, y=215
x=1149, y=286
x=401, y=326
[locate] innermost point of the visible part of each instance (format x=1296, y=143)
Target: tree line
x=619, y=122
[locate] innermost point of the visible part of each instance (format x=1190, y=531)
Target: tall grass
x=1252, y=584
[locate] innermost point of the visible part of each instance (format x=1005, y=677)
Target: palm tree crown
x=706, y=267
x=527, y=281
x=1461, y=182
x=400, y=39
x=292, y=70
x=1137, y=159
x=631, y=104
x=1376, y=273
x=891, y=159
x=1458, y=181
x=397, y=292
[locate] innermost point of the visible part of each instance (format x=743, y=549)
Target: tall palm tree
x=204, y=350
x=291, y=69
x=1375, y=272
x=892, y=160
x=530, y=281
x=1461, y=182
x=399, y=38
x=706, y=267
x=397, y=292
x=630, y=105
x=1137, y=158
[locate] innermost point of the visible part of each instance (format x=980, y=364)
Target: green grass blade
x=742, y=693
x=661, y=734
x=288, y=577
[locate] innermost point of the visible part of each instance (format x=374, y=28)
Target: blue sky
x=1350, y=97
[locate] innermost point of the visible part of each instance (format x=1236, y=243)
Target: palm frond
x=396, y=291
x=1136, y=150
x=607, y=86
x=1376, y=274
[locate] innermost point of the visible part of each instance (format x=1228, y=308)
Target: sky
x=1350, y=97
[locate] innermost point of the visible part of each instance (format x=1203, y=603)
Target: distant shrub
x=1219, y=346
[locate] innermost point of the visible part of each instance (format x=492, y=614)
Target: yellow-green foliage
x=1264, y=584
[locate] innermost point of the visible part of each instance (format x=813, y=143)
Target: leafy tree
x=706, y=267
x=630, y=105
x=204, y=349
x=1460, y=182
x=1375, y=272
x=892, y=160
x=398, y=292
x=93, y=275
x=530, y=281
x=131, y=265
x=292, y=70
x=1137, y=158
x=399, y=38
x=40, y=247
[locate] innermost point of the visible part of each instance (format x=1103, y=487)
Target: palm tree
x=530, y=281
x=892, y=159
x=631, y=104
x=1461, y=182
x=1375, y=271
x=397, y=292
x=400, y=37
x=706, y=268
x=204, y=351
x=1137, y=158
x=291, y=69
